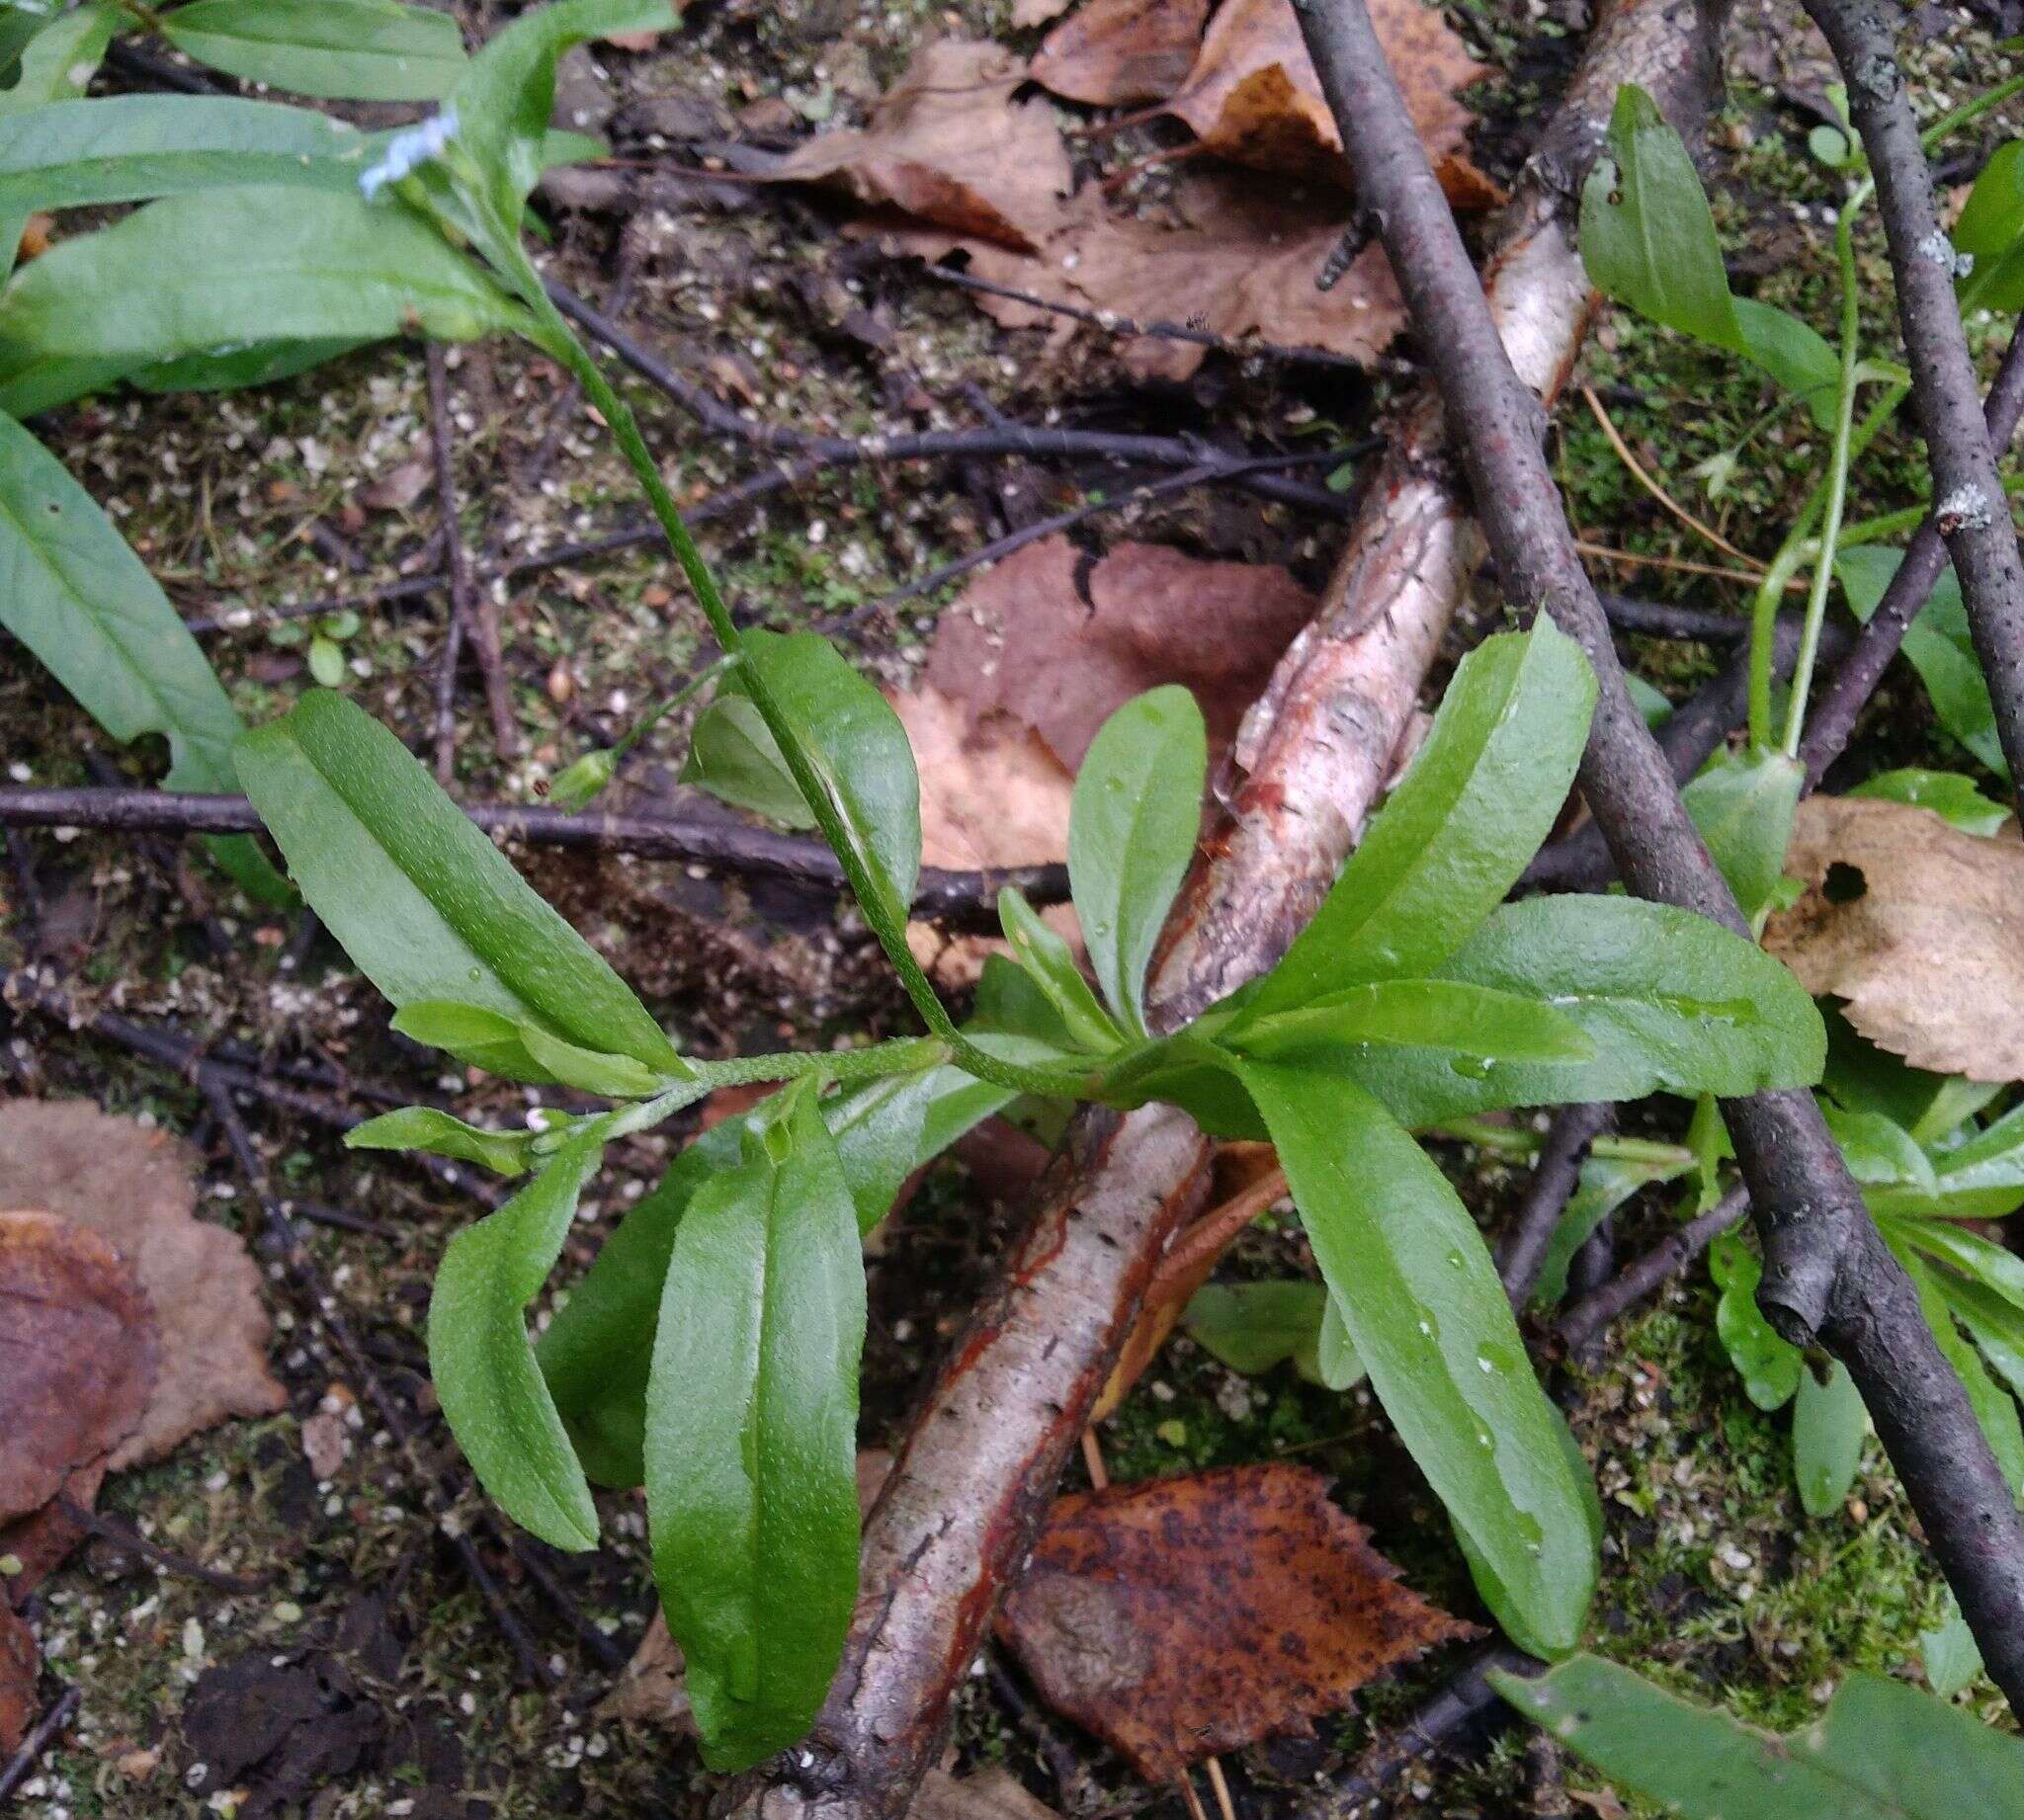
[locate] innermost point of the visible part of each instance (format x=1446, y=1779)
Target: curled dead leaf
x=1114, y=54
x=1916, y=925
x=949, y=145
x=135, y=1188
x=79, y=1355
x=1254, y=97
x=1184, y=1616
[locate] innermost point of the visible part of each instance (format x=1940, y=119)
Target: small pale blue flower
x=407, y=151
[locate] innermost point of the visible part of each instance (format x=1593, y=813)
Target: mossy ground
x=1715, y=1583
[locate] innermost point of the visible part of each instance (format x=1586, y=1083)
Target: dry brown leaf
x=949, y=145
x=1117, y=52
x=1184, y=1616
x=1917, y=926
x=41, y=1542
x=79, y=1355
x=1024, y=642
x=1026, y=14
x=992, y=794
x=1232, y=254
x=1254, y=99
x=135, y=1188
x=992, y=1794
x=19, y=1661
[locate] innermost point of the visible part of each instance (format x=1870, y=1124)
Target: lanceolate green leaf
x=1132, y=831
x=1474, y=1024
x=1990, y=230
x=58, y=64
x=338, y=49
x=596, y=1352
x=1828, y=1423
x=751, y=1436
x=74, y=593
x=733, y=756
x=1253, y=1326
x=1051, y=965
x=1430, y=1321
x=1938, y=645
x=226, y=268
x=1672, y=1002
x=1769, y=1365
x=428, y=908
x=863, y=765
x=423, y=1127
x=483, y=1368
x=1883, y=1752
x=1742, y=803
x=503, y=102
x=1649, y=241
x=129, y=147
x=1473, y=809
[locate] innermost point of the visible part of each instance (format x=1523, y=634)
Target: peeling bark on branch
x=1827, y=1274
x=959, y=1513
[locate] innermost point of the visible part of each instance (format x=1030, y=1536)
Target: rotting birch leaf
x=1184, y=1616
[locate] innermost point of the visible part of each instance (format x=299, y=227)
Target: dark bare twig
x=1206, y=474
x=1644, y=1276
x=1028, y=440
x=38, y=1740
x=1462, y=1703
x=1842, y=697
x=1970, y=507
x=1827, y=1274
x=960, y=899
x=1555, y=1174
x=473, y=612
x=1580, y=860
x=108, y=1528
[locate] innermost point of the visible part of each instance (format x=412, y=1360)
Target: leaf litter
x=1917, y=925
x=1181, y=1618
x=956, y=161
x=127, y=1325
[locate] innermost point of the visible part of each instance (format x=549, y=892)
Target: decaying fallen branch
x=958, y=901
x=1827, y=1276
x=960, y=1510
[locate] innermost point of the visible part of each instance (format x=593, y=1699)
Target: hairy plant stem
x=555, y=337
x=1838, y=472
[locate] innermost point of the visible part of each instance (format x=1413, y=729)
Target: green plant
x=1881, y=1750
x=711, y=1352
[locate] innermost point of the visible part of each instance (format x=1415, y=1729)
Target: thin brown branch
x=1827, y=1274
x=473, y=612
x=962, y=900
x=1646, y=1273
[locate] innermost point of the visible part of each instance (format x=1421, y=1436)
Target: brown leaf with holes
x=19, y=1663
x=1114, y=53
x=1048, y=647
x=79, y=1355
x=1916, y=925
x=1185, y=1616
x=1254, y=97
x=135, y=1188
x=950, y=146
